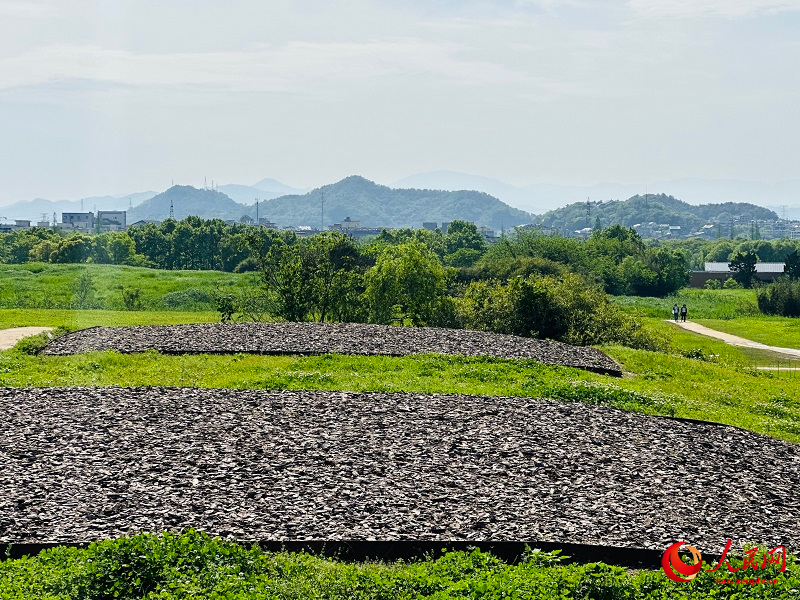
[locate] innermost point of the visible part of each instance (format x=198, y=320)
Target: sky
x=116, y=96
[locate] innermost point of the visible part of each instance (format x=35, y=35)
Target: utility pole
x=257, y=222
x=171, y=210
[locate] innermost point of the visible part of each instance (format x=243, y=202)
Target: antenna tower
x=322, y=218
x=588, y=213
x=257, y=211
x=171, y=210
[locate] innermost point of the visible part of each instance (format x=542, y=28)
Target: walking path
x=9, y=337
x=735, y=340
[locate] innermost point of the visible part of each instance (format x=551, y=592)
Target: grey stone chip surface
x=323, y=338
x=80, y=464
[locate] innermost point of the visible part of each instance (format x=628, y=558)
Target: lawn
x=81, y=319
x=701, y=303
x=774, y=331
x=43, y=285
x=656, y=383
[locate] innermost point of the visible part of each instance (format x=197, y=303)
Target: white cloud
x=297, y=65
x=711, y=8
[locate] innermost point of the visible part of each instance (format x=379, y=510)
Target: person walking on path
x=684, y=310
x=675, y=312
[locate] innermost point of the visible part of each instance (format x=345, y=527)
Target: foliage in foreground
x=194, y=565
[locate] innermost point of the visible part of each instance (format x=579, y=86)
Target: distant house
x=765, y=271
x=144, y=222
x=111, y=220
x=22, y=223
x=77, y=221
x=346, y=226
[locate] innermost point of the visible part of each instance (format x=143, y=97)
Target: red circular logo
x=671, y=563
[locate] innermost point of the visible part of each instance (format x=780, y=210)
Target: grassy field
x=193, y=565
x=774, y=331
x=39, y=285
x=81, y=319
x=701, y=303
x=656, y=383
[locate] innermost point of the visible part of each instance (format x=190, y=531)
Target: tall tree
x=743, y=267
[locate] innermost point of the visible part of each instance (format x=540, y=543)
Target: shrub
x=713, y=284
x=562, y=308
x=780, y=298
x=731, y=284
x=131, y=299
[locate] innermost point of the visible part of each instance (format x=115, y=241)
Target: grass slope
x=192, y=565
x=662, y=384
x=41, y=285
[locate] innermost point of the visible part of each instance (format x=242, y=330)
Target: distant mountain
x=187, y=200
x=34, y=209
x=658, y=208
x=273, y=186
x=541, y=197
x=379, y=206
x=266, y=189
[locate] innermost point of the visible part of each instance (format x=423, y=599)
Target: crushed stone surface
x=323, y=338
x=80, y=464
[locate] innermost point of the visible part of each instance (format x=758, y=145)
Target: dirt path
x=735, y=340
x=9, y=337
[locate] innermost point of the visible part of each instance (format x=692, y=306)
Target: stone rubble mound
x=82, y=464
x=324, y=338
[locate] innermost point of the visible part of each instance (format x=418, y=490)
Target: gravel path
x=88, y=463
x=322, y=338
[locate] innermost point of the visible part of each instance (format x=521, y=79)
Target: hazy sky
x=114, y=96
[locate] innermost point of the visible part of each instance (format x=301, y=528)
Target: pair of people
x=682, y=311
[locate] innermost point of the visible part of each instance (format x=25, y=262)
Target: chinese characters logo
x=679, y=571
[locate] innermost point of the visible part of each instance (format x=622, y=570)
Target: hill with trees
x=186, y=201
x=376, y=205
x=362, y=200
x=658, y=208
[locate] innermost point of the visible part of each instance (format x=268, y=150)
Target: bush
x=131, y=299
x=780, y=298
x=562, y=308
x=713, y=284
x=731, y=284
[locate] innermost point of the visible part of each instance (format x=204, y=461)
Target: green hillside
x=187, y=200
x=362, y=200
x=380, y=206
x=658, y=208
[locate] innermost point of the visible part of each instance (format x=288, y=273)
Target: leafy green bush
x=731, y=284
x=780, y=298
x=564, y=308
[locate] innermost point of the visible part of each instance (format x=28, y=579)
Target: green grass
x=657, y=383
x=774, y=331
x=193, y=565
x=80, y=319
x=41, y=285
x=701, y=303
